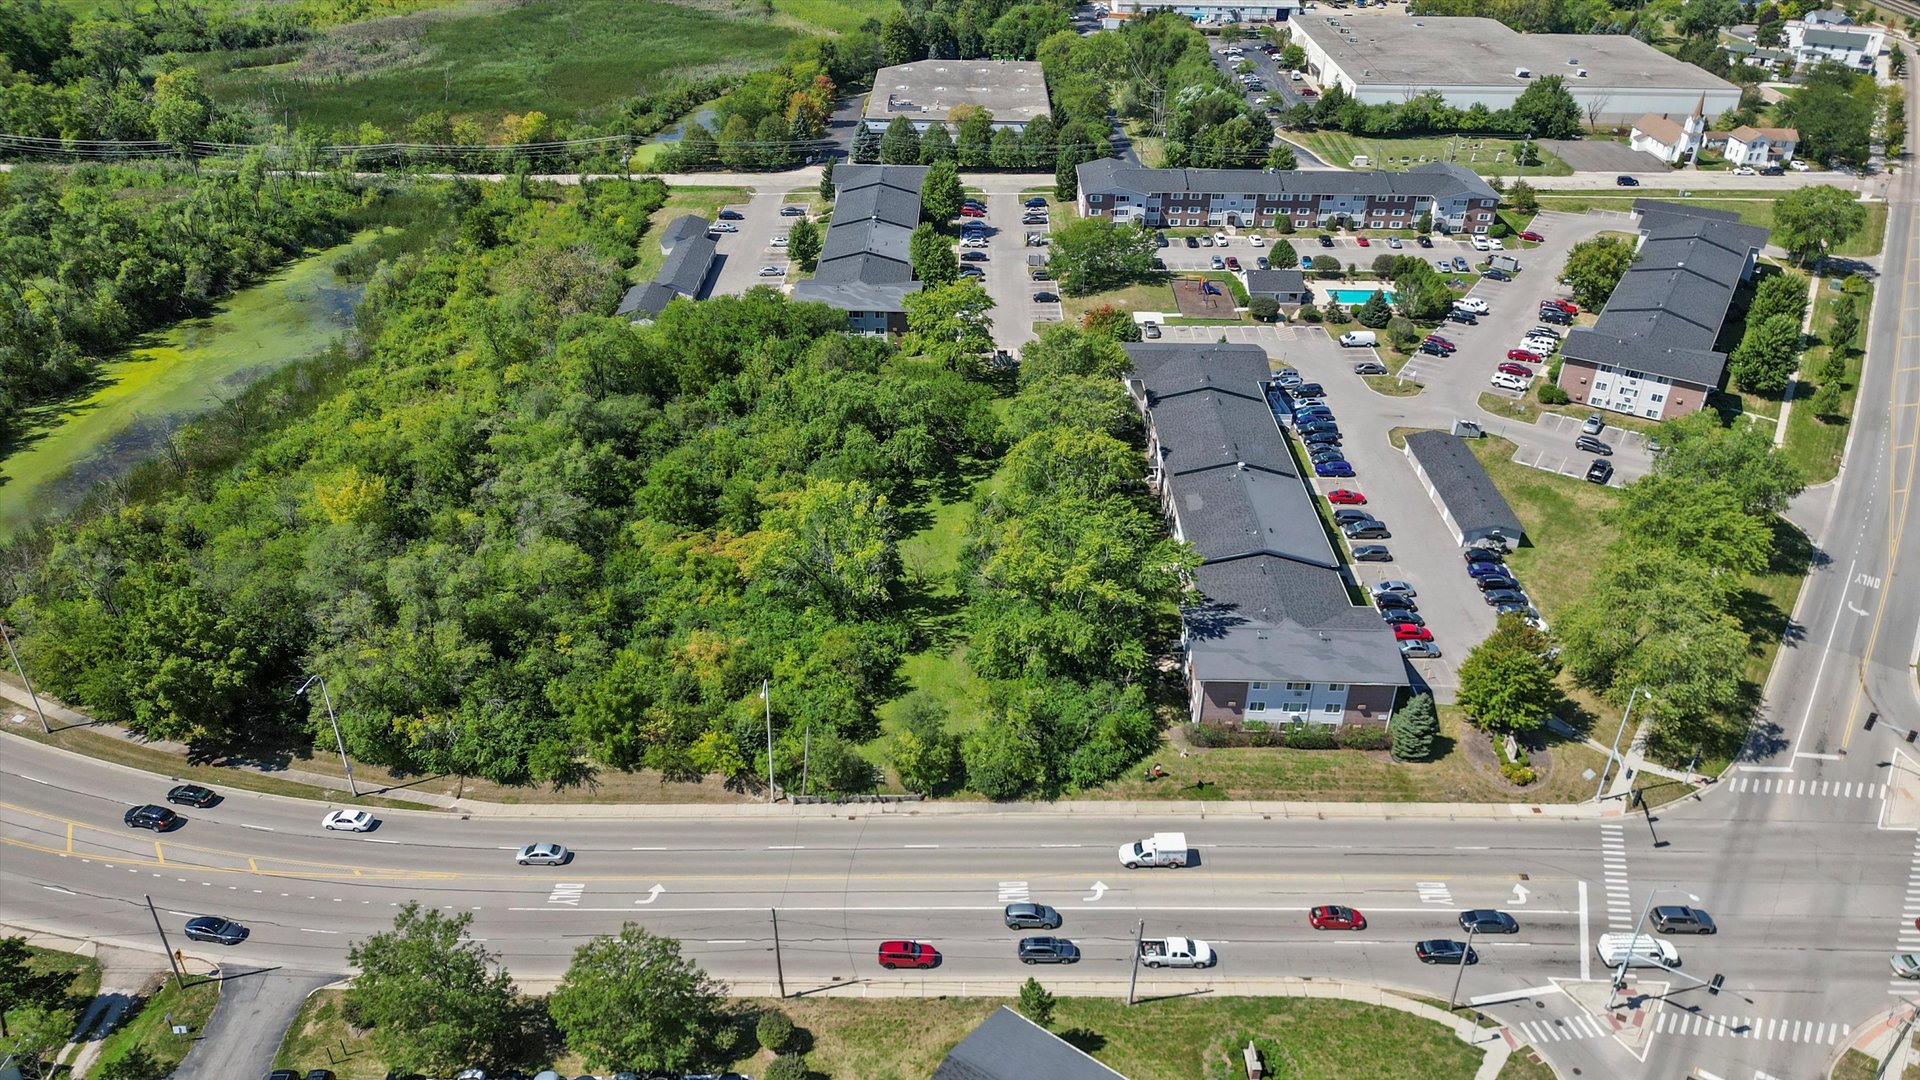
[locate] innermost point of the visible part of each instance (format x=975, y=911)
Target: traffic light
x=1714, y=986
x=1872, y=719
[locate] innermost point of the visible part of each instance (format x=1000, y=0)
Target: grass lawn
x=1754, y=209
x=77, y=977
x=1524, y=1064
x=1157, y=297
x=1815, y=443
x=565, y=58
x=1489, y=156
x=837, y=16
x=148, y=1026
x=705, y=201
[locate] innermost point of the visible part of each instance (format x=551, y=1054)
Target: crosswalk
x=1560, y=1029
x=1909, y=921
x=1832, y=789
x=1677, y=1022
x=1613, y=863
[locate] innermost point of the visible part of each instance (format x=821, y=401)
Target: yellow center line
x=159, y=856
x=69, y=837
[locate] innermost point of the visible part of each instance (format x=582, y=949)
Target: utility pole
x=345, y=765
x=768, y=702
x=1462, y=973
x=806, y=760
x=166, y=947
x=1615, y=752
x=779, y=970
x=1139, y=935
x=31, y=696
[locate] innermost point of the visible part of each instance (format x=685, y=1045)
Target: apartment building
x=1456, y=198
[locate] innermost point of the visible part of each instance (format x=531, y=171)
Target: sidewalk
x=1892, y=1033
x=1632, y=760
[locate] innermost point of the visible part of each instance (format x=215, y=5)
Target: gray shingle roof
x=647, y=298
x=1437, y=179
x=865, y=260
x=905, y=177
x=1228, y=512
x=1008, y=1046
x=1275, y=282
x=1463, y=484
x=1267, y=619
x=681, y=228
x=1698, y=366
x=869, y=235
x=687, y=265
x=856, y=295
x=1205, y=429
x=882, y=201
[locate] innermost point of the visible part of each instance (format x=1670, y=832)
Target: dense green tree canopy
x=436, y=1003
x=632, y=1001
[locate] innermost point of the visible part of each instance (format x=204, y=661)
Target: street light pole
x=345, y=765
x=166, y=947
x=1615, y=752
x=1462, y=973
x=31, y=696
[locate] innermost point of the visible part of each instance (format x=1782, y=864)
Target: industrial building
x=928, y=91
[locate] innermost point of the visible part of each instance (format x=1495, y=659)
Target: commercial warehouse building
x=1651, y=353
x=864, y=268
x=1456, y=198
x=1279, y=634
x=928, y=91
x=1473, y=61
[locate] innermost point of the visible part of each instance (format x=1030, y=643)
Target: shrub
x=1036, y=1003
x=787, y=1067
x=1264, y=308
x=1521, y=775
x=1309, y=313
x=1302, y=736
x=1413, y=728
x=1209, y=735
x=1286, y=227
x=1498, y=230
x=775, y=1030
x=1553, y=395
x=1363, y=737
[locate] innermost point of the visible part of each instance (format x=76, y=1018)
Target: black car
x=1424, y=241
x=1773, y=170
x=1322, y=454
x=732, y=215
x=1311, y=389
x=1372, y=553
x=1496, y=597
x=1193, y=242
x=1484, y=555
x=1032, y=917
x=1326, y=241
x=973, y=256
x=157, y=818
x=1048, y=950
x=1626, y=181
x=1600, y=471
x=801, y=211
x=1045, y=298
x=1488, y=921
x=1495, y=581
x=1160, y=238
x=215, y=929
x=1496, y=274
x=1435, y=349
x=1366, y=530
x=1393, y=601
x=1402, y=615
x=1465, y=318
x=1442, y=951
x=1036, y=201
x=1591, y=445
x=192, y=795
x=1350, y=513
x=319, y=1074
x=1321, y=438
x=283, y=1074
x=1315, y=421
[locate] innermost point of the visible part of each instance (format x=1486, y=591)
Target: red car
x=1526, y=355
x=1343, y=497
x=1436, y=339
x=1233, y=263
x=1336, y=917
x=1533, y=236
x=1563, y=305
x=1406, y=631
x=1308, y=91
x=1364, y=242
x=1517, y=369
x=969, y=211
x=913, y=954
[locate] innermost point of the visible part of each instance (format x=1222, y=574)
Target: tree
x=1650, y=619
x=925, y=754
x=1006, y=150
x=936, y=146
x=949, y=323
x=138, y=1063
x=1697, y=519
x=1066, y=178
x=1700, y=449
x=437, y=1003
x=803, y=244
x=1808, y=221
x=941, y=194
x=901, y=143
x=1413, y=729
x=1702, y=18
x=181, y=108
x=1036, y=1002
x=1846, y=326
x=19, y=986
x=826, y=179
x=1834, y=111
x=1094, y=254
x=1546, y=109
x=1282, y=157
x=774, y=1030
x=831, y=545
x=932, y=256
x=976, y=134
x=631, y=1000
x=898, y=45
x=1293, y=57
x=1826, y=402
x=1506, y=682
x=1521, y=197
x=1111, y=322
x=1264, y=308
x=1594, y=267
x=866, y=145
x=37, y=1032
x=1062, y=350
x=1778, y=294
x=1767, y=356
x=1376, y=312
x=788, y=1067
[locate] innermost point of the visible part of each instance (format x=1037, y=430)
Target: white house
x=1669, y=140
x=1758, y=147
x=1814, y=40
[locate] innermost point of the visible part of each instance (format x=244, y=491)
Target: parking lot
x=742, y=254
x=1280, y=89
x=1009, y=279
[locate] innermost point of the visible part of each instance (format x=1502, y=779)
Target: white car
x=772, y=271
x=779, y=241
x=1220, y=239
x=1471, y=303
x=725, y=226
x=1540, y=343
x=347, y=821
x=1798, y=166
x=1295, y=76
x=1392, y=585
x=974, y=242
x=542, y=855
x=1481, y=243
x=1257, y=240
x=1504, y=381
x=1494, y=243
x=1743, y=171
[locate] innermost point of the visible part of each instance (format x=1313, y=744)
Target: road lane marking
x=56, y=888
x=920, y=845
x=256, y=828
x=726, y=941
x=35, y=779
x=307, y=930
x=786, y=847
x=1586, y=955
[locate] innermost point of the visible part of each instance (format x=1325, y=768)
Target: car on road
x=1488, y=582
x=1048, y=950
x=1497, y=597
x=1372, y=553
x=1366, y=530
x=1682, y=920
x=1488, y=921
x=215, y=929
x=1743, y=170
x=1520, y=370
x=909, y=954
x=1333, y=468
x=1406, y=631
x=793, y=211
x=1442, y=951
x=1025, y=916
x=1524, y=355
x=1369, y=367
x=1045, y=298
x=1594, y=425
x=1625, y=181
x=1600, y=471
x=1346, y=497
x=1419, y=650
x=192, y=795
x=157, y=818
x=1335, y=917
x=1349, y=514
x=732, y=215
x=725, y=226
x=347, y=821
x=1326, y=241
x=1483, y=555
x=543, y=855
x=1907, y=965
x=1424, y=241
x=1460, y=264
x=1533, y=237
x=1219, y=263
x=1590, y=444
x=772, y=271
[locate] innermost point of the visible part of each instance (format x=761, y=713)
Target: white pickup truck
x=1160, y=849
x=1177, y=952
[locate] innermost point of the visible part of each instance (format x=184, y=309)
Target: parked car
x=1495, y=581
x=1442, y=951
x=1026, y=916
x=1567, y=306
x=1436, y=339
x=1460, y=264
x=347, y=821
x=1193, y=242
x=1743, y=170
x=1219, y=263
x=192, y=795
x=1372, y=553
x=1206, y=240
x=1434, y=348
x=1494, y=273
x=1220, y=238
x=1443, y=264
x=793, y=211
x=973, y=242
x=1424, y=241
x=972, y=272
x=543, y=855
x=1394, y=602
x=779, y=241
x=732, y=215
x=157, y=818
x=1533, y=237
x=1626, y=181
x=1600, y=472
x=215, y=929
x=1318, y=439
x=910, y=954
x=1308, y=389
x=1488, y=921
x=1333, y=468
x=973, y=256
x=1369, y=367
x=1347, y=515
x=1039, y=201
x=1503, y=381
x=1402, y=615
x=1473, y=304
x=1419, y=650
x=1519, y=370
x=1496, y=597
x=972, y=211
x=725, y=227
x=1486, y=569
x=1366, y=530
x=1465, y=318
x=1048, y=950
x=1335, y=917
x=1395, y=586
x=1592, y=445
x=1393, y=242
x=1363, y=241
x=1287, y=377
x=1483, y=555
x=1045, y=298
x=1521, y=610
x=1261, y=263
x=1041, y=274
x=1321, y=452
x=1682, y=920
x=1798, y=166
x=1326, y=241
x=1540, y=344
x=1480, y=244
x=1345, y=497
x=772, y=271
x=1150, y=330
x=1233, y=263
x=1406, y=631
x=1524, y=355
x=1594, y=425
x=1257, y=240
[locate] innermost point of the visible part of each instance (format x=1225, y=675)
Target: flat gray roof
x=1442, y=52
x=1462, y=484
x=1014, y=91
x=1435, y=179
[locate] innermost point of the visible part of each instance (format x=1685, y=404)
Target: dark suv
x=1048, y=950
x=1682, y=920
x=1591, y=445
x=157, y=818
x=1032, y=917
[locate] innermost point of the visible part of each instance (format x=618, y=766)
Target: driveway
x=742, y=254
x=256, y=1008
x=1597, y=155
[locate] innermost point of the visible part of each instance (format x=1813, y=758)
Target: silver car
x=1419, y=650
x=542, y=855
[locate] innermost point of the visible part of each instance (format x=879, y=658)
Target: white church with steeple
x=1669, y=141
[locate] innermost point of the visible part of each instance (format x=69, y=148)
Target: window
x=1656, y=398
x=1250, y=198
x=1599, y=387
x=1299, y=686
x=1256, y=706
x=1294, y=707
x=1399, y=198
x=1332, y=710
x=1399, y=213
x=1336, y=687
x=1259, y=686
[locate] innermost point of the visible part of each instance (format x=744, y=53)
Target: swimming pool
x=1357, y=296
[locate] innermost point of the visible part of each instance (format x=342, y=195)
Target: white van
x=1644, y=951
x=1359, y=339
